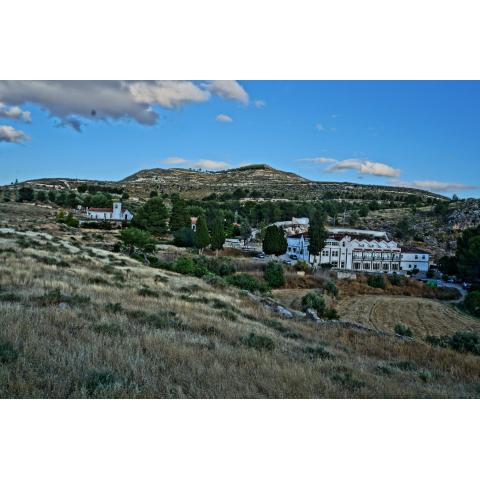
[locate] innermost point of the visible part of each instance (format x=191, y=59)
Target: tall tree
x=217, y=237
x=202, y=238
x=25, y=194
x=179, y=217
x=468, y=253
x=317, y=233
x=274, y=241
x=152, y=217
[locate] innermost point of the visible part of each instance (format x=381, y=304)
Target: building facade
x=116, y=213
x=350, y=249
x=415, y=258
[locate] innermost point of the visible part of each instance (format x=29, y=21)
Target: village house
x=116, y=213
x=350, y=249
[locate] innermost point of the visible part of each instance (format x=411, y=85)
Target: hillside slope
x=77, y=321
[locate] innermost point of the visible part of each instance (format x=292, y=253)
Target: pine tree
x=202, y=238
x=318, y=234
x=274, y=242
x=217, y=237
x=179, y=217
x=152, y=217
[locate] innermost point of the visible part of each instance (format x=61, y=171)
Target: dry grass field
x=77, y=321
x=424, y=316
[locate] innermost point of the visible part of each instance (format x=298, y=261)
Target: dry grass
x=105, y=326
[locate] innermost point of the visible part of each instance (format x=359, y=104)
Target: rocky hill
x=255, y=180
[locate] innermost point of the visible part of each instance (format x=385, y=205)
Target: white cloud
x=229, y=89
x=11, y=135
x=438, y=186
x=366, y=167
x=210, y=165
x=320, y=127
x=167, y=94
x=223, y=118
x=174, y=161
x=319, y=160
x=260, y=103
x=15, y=113
x=74, y=101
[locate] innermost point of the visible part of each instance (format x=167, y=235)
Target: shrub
x=108, y=329
x=376, y=281
x=466, y=342
x=99, y=380
x=160, y=320
x=315, y=301
x=348, y=381
x=8, y=353
x=472, y=303
x=9, y=297
x=184, y=265
x=331, y=288
x=147, y=292
x=215, y=280
x=274, y=275
x=259, y=342
x=445, y=277
x=442, y=342
x=114, y=307
x=401, y=329
x=302, y=266
x=331, y=314
x=406, y=365
x=317, y=352
x=247, y=282
x=396, y=280
x=184, y=237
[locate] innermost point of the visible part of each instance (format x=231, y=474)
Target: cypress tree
x=274, y=242
x=179, y=217
x=202, y=238
x=217, y=237
x=318, y=234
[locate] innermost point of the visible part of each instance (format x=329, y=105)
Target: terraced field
x=423, y=316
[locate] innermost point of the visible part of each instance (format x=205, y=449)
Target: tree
x=41, y=196
x=179, y=217
x=153, y=193
x=125, y=196
x=245, y=229
x=71, y=200
x=25, y=194
x=274, y=242
x=318, y=234
x=135, y=238
x=152, y=217
x=52, y=196
x=363, y=211
x=184, y=237
x=82, y=188
x=448, y=265
x=472, y=303
x=217, y=237
x=201, y=238
x=468, y=253
x=354, y=217
x=274, y=275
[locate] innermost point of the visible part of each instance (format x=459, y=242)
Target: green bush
x=184, y=265
x=317, y=352
x=401, y=329
x=315, y=301
x=184, y=237
x=147, y=292
x=9, y=297
x=99, y=380
x=466, y=342
x=396, y=280
x=274, y=275
x=259, y=342
x=376, y=281
x=472, y=303
x=331, y=314
x=111, y=329
x=443, y=342
x=247, y=282
x=8, y=353
x=331, y=288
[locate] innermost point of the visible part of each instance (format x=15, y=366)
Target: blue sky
x=424, y=134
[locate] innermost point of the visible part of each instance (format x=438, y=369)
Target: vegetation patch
x=97, y=381
x=55, y=297
x=111, y=329
x=147, y=292
x=405, y=365
x=8, y=353
x=401, y=329
x=317, y=352
x=161, y=320
x=258, y=342
x=10, y=297
x=248, y=282
x=348, y=381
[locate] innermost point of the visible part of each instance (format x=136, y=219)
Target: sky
x=423, y=134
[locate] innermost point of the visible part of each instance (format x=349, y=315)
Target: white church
x=116, y=213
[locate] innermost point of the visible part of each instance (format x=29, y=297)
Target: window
x=376, y=266
x=385, y=266
x=394, y=266
x=423, y=257
x=334, y=264
x=343, y=244
x=416, y=257
x=366, y=266
x=356, y=265
x=334, y=253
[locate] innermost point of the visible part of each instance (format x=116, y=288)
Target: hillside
x=261, y=180
x=78, y=320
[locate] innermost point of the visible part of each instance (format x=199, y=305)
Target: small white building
x=116, y=213
x=415, y=258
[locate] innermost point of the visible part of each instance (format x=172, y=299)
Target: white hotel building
x=350, y=249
